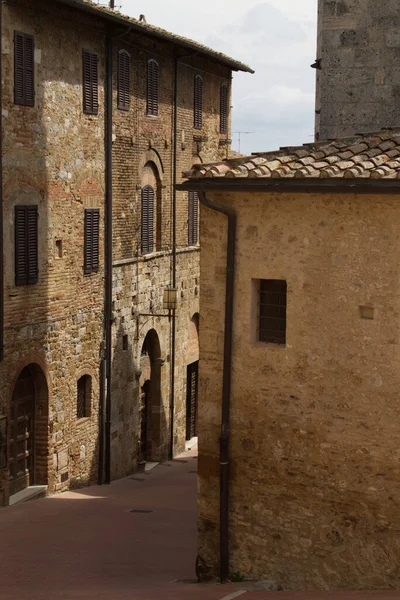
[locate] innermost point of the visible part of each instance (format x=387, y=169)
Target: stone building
x=358, y=75
x=100, y=115
x=300, y=365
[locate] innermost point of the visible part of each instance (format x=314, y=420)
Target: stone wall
x=358, y=86
x=53, y=157
x=314, y=424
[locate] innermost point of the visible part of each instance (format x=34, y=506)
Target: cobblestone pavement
x=90, y=545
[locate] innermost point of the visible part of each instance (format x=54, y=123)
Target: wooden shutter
x=152, y=88
x=90, y=83
x=91, y=240
x=24, y=66
x=198, y=102
x=124, y=79
x=147, y=219
x=193, y=218
x=26, y=245
x=223, y=126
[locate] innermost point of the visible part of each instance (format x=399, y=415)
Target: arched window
x=84, y=397
x=124, y=79
x=223, y=110
x=193, y=218
x=198, y=102
x=147, y=219
x=152, y=87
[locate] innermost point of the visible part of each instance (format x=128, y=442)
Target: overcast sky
x=277, y=38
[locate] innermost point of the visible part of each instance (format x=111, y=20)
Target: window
x=223, y=109
x=193, y=218
x=84, y=397
x=147, y=219
x=90, y=83
x=24, y=49
x=26, y=245
x=272, y=311
x=91, y=240
x=152, y=88
x=198, y=102
x=124, y=79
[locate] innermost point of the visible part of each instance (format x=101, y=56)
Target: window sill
x=82, y=421
x=259, y=344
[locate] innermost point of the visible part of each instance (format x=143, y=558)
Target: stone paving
x=90, y=545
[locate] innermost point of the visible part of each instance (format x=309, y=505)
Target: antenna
x=239, y=134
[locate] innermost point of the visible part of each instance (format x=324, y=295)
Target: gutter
x=1, y=201
x=226, y=382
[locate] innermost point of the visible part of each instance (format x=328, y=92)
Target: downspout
x=226, y=382
x=1, y=198
x=108, y=254
x=173, y=312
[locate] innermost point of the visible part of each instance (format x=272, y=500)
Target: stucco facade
x=358, y=84
x=313, y=444
x=54, y=158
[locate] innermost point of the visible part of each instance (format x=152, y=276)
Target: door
x=22, y=434
x=191, y=399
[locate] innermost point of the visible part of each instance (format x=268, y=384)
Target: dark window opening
x=152, y=87
x=223, y=111
x=198, y=102
x=24, y=69
x=124, y=79
x=124, y=342
x=90, y=83
x=91, y=240
x=26, y=245
x=84, y=397
x=272, y=311
x=147, y=219
x=193, y=218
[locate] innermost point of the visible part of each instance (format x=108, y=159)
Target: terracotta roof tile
x=376, y=156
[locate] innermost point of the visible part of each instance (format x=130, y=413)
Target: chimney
x=112, y=4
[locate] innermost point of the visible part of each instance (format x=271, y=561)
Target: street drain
x=142, y=510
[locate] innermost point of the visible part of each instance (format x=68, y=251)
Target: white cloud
x=276, y=37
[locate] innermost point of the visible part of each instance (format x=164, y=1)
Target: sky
x=277, y=38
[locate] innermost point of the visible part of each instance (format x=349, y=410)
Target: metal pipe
x=226, y=381
x=1, y=204
x=108, y=253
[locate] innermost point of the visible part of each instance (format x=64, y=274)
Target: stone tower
x=358, y=79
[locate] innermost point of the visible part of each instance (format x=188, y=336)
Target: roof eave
x=329, y=185
x=119, y=19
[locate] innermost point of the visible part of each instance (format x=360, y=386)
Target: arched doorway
x=152, y=422
x=192, y=378
x=29, y=430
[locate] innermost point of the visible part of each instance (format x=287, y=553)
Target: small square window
x=272, y=299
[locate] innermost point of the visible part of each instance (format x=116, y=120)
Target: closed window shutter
x=91, y=240
x=224, y=109
x=26, y=245
x=24, y=49
x=198, y=102
x=193, y=218
x=152, y=88
x=124, y=79
x=147, y=219
x=90, y=83
x=32, y=243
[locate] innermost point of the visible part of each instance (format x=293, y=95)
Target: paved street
x=89, y=545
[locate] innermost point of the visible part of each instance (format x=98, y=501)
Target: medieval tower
x=358, y=67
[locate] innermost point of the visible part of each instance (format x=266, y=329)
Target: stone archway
x=153, y=441
x=29, y=411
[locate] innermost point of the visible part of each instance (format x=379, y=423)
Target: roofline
x=152, y=31
x=332, y=185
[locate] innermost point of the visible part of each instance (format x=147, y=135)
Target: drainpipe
x=226, y=382
x=108, y=254
x=1, y=201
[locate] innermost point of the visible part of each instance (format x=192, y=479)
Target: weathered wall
x=314, y=447
x=53, y=157
x=358, y=86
